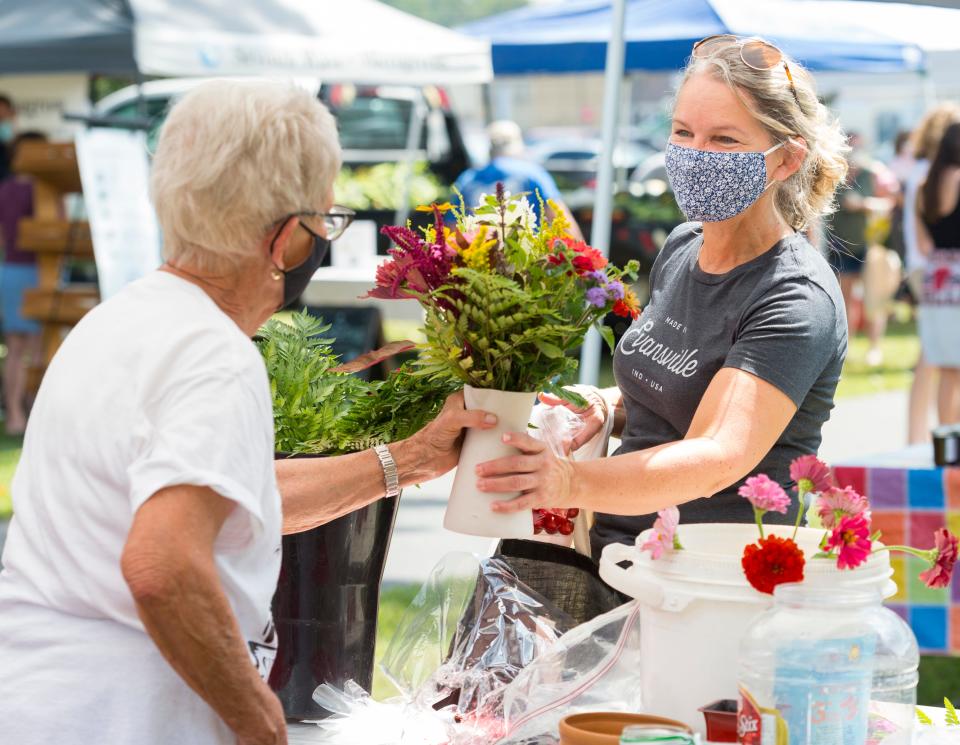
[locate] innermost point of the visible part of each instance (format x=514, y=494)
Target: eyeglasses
x=756, y=54
x=336, y=221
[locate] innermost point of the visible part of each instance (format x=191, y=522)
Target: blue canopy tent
x=572, y=36
x=614, y=36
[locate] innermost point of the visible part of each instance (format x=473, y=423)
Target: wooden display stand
x=56, y=305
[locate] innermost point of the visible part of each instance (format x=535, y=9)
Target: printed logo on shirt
x=681, y=362
x=264, y=652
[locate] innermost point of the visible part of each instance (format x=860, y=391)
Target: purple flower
x=598, y=276
x=616, y=290
x=597, y=296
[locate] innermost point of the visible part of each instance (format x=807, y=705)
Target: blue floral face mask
x=713, y=186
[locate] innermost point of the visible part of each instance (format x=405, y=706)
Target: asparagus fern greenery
x=317, y=408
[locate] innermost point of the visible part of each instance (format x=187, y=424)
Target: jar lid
x=634, y=733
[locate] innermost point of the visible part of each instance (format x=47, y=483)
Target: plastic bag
x=558, y=426
x=472, y=628
x=594, y=667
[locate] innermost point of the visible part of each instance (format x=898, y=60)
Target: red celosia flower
x=851, y=539
x=942, y=570
x=771, y=562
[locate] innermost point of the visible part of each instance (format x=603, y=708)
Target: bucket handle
x=649, y=593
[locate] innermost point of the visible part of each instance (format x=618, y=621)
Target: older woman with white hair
x=145, y=547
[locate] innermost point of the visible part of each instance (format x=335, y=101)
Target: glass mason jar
x=827, y=665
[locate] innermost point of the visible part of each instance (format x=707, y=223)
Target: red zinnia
x=628, y=307
x=771, y=562
x=946, y=547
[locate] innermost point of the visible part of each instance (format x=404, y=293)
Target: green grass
x=900, y=347
x=10, y=448
x=394, y=601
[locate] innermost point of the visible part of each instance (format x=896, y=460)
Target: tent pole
x=603, y=204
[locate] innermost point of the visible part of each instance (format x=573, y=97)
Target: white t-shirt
x=913, y=259
x=153, y=388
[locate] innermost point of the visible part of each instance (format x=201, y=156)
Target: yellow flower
x=445, y=207
x=557, y=228
x=477, y=254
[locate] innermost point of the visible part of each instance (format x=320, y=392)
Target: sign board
x=114, y=172
x=42, y=100
x=356, y=249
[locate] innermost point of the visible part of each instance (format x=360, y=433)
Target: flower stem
x=801, y=493
x=929, y=556
x=758, y=516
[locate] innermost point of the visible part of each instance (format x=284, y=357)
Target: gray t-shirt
x=779, y=316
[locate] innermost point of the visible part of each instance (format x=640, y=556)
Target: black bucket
x=325, y=607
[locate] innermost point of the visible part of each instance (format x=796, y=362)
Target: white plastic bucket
x=697, y=604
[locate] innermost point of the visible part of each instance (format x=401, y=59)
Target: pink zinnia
x=664, y=535
x=836, y=503
x=942, y=570
x=851, y=539
x=810, y=474
x=765, y=494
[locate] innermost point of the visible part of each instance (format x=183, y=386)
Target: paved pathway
x=859, y=426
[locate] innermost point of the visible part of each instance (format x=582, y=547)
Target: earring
x=276, y=275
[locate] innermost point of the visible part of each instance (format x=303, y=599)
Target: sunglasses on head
x=756, y=54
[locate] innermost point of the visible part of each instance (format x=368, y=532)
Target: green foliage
x=319, y=410
x=506, y=301
x=380, y=187
x=455, y=12
x=952, y=717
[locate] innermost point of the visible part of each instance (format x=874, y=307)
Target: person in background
x=517, y=174
x=856, y=200
x=938, y=235
x=8, y=117
x=924, y=143
x=19, y=273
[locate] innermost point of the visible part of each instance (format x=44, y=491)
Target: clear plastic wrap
x=594, y=667
x=472, y=628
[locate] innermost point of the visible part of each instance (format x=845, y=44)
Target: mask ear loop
x=772, y=150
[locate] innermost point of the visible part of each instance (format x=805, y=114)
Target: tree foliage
x=455, y=12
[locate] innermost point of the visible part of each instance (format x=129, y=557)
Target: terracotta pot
x=604, y=728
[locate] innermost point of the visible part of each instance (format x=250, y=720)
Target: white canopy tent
x=362, y=41
x=348, y=41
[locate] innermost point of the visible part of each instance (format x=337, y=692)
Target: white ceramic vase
x=468, y=510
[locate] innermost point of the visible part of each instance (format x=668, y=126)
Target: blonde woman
x=145, y=548
x=732, y=367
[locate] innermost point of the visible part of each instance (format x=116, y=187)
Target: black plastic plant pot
x=325, y=607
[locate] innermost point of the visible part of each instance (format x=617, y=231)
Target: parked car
x=574, y=163
x=386, y=160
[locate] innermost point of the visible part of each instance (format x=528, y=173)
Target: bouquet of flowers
x=506, y=300
x=843, y=515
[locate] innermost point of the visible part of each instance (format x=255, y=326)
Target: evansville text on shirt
x=681, y=362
